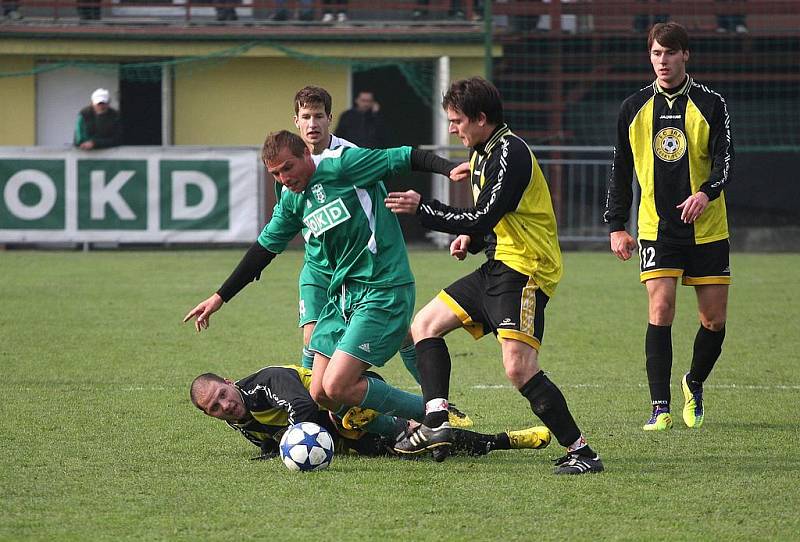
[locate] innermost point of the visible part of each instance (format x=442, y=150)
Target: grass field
x=100, y=441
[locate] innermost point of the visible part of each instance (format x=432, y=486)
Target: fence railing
x=577, y=177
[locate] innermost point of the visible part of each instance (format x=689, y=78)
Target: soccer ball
x=306, y=446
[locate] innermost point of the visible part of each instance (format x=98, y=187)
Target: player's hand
x=403, y=203
x=87, y=145
x=693, y=206
x=202, y=312
x=460, y=172
x=459, y=246
x=622, y=244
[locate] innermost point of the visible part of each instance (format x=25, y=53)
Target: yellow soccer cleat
x=534, y=438
x=457, y=418
x=352, y=434
x=357, y=417
x=693, y=404
x=661, y=420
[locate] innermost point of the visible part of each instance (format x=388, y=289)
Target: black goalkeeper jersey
x=677, y=143
x=276, y=398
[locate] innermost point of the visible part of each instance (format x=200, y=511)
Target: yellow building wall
x=234, y=102
x=239, y=101
x=17, y=102
x=462, y=68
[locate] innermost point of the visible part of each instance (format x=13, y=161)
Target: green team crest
x=319, y=193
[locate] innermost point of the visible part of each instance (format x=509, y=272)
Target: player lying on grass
x=261, y=406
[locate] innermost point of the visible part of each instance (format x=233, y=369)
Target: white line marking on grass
x=782, y=387
x=141, y=388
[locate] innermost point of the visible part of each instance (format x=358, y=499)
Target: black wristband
x=249, y=269
x=430, y=162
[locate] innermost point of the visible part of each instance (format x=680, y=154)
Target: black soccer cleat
x=578, y=464
x=424, y=438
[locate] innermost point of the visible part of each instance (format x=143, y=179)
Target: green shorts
x=367, y=323
x=313, y=294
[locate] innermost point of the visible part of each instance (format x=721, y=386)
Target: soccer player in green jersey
x=312, y=117
x=675, y=134
x=513, y=223
x=371, y=293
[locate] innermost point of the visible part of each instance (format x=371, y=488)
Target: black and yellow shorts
x=708, y=263
x=497, y=299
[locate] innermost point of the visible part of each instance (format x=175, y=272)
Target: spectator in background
x=98, y=125
x=731, y=22
x=305, y=12
x=363, y=124
x=89, y=9
x=226, y=12
x=643, y=21
x=11, y=10
x=455, y=10
x=328, y=9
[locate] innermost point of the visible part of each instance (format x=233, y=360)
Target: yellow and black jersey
x=513, y=219
x=678, y=141
x=276, y=398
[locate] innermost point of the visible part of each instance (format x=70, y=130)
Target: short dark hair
x=200, y=382
x=474, y=96
x=310, y=96
x=671, y=35
x=283, y=139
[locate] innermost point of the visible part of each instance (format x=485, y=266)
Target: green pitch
x=100, y=442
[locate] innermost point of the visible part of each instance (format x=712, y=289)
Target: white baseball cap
x=100, y=95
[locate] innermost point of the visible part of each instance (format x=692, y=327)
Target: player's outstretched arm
x=622, y=244
x=248, y=270
x=203, y=311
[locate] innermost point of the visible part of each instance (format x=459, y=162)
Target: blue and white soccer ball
x=306, y=446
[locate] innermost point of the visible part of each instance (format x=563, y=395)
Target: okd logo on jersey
x=326, y=217
x=670, y=144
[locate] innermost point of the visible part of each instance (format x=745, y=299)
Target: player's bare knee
x=422, y=327
x=712, y=324
x=318, y=394
x=338, y=391
x=662, y=313
x=520, y=371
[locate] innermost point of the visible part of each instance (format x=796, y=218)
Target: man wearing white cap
x=98, y=125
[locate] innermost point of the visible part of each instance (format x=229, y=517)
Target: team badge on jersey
x=319, y=193
x=670, y=144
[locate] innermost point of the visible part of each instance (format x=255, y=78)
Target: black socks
x=548, y=403
x=707, y=348
x=658, y=351
x=433, y=363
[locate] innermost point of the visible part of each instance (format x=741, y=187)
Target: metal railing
x=577, y=177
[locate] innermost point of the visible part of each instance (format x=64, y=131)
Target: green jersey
x=314, y=264
x=343, y=208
